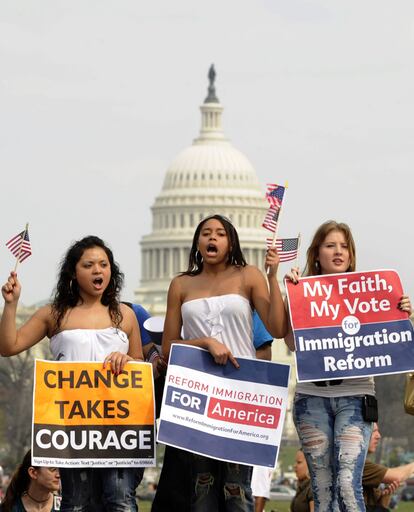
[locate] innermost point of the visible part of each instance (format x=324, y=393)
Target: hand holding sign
x=117, y=361
x=405, y=304
x=220, y=353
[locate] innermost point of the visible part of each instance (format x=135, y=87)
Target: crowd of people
x=210, y=305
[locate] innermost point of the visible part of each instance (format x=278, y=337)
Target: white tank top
x=88, y=344
x=227, y=318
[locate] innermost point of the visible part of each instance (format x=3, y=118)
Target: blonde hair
x=313, y=267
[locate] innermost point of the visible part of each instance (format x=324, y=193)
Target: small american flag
x=20, y=246
x=272, y=216
x=287, y=248
x=274, y=194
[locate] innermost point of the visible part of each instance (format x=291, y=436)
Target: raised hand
x=11, y=289
x=272, y=261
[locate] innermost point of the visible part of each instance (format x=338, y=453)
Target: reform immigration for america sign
x=349, y=325
x=85, y=416
x=222, y=412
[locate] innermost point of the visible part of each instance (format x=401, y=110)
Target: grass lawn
x=278, y=506
x=283, y=506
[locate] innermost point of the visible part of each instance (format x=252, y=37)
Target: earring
x=198, y=257
x=71, y=286
x=317, y=265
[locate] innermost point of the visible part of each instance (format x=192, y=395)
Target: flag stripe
x=274, y=194
x=272, y=216
x=19, y=246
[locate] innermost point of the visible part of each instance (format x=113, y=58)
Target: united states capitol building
x=210, y=176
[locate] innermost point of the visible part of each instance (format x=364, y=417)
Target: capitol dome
x=209, y=164
x=210, y=176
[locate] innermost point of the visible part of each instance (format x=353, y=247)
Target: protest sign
x=349, y=325
x=85, y=416
x=222, y=412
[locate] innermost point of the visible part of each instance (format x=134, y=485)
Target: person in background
x=261, y=476
x=376, y=498
x=32, y=489
x=151, y=331
x=151, y=351
x=303, y=499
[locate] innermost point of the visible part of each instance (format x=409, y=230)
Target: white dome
x=210, y=164
x=210, y=176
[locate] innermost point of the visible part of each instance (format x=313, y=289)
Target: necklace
x=34, y=499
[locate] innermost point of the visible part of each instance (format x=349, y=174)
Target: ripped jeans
x=220, y=486
x=99, y=489
x=334, y=438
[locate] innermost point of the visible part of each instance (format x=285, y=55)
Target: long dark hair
x=67, y=289
x=19, y=483
x=235, y=256
x=312, y=254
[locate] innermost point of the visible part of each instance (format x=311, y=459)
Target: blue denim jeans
x=220, y=486
x=334, y=438
x=100, y=489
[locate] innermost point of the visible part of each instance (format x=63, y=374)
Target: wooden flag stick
x=297, y=254
x=21, y=246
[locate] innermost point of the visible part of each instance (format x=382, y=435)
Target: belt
x=324, y=383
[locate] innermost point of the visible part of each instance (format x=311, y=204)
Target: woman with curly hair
x=32, y=489
x=85, y=322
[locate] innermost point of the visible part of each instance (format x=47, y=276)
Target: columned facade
x=211, y=176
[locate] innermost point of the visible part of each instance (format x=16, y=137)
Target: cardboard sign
x=349, y=325
x=85, y=416
x=222, y=412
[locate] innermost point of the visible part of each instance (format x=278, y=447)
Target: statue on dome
x=212, y=75
x=211, y=97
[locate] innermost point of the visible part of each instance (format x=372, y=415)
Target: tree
x=16, y=385
x=393, y=420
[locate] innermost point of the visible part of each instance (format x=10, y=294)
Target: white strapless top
x=88, y=344
x=227, y=318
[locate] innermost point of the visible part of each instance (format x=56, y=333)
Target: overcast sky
x=98, y=97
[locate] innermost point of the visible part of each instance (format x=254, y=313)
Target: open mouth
x=98, y=281
x=211, y=249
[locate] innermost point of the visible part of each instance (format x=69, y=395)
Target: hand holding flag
x=272, y=261
x=11, y=289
